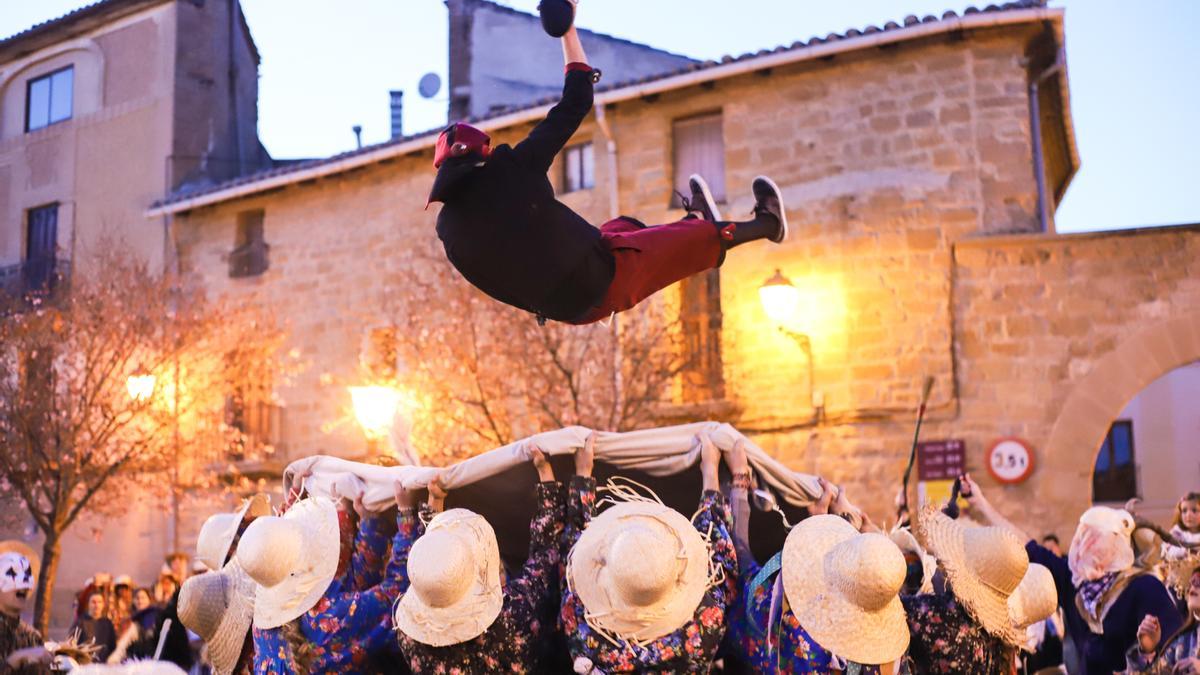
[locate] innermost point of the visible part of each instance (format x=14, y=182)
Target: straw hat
x=454, y=589
x=219, y=606
x=640, y=569
x=218, y=532
x=25, y=551
x=844, y=587
x=1036, y=598
x=292, y=559
x=984, y=565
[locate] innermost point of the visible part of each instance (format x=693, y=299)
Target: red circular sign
x=1010, y=460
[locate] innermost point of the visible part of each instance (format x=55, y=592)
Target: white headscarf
x=1103, y=544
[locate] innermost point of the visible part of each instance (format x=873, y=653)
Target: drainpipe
x=1035, y=126
x=610, y=142
x=614, y=210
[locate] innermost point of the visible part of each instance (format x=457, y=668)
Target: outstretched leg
x=650, y=259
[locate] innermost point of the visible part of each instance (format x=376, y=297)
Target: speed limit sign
x=1010, y=460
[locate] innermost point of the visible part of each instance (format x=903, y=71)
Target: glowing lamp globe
x=140, y=387
x=780, y=299
x=375, y=407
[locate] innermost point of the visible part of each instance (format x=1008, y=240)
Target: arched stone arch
x=1097, y=398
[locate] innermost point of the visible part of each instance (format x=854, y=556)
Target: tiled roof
x=297, y=167
x=584, y=31
x=84, y=12
x=88, y=11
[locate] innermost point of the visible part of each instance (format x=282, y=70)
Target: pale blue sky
x=1135, y=87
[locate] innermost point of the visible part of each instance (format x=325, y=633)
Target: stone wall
x=906, y=171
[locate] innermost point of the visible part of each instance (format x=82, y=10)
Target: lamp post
x=780, y=301
x=375, y=408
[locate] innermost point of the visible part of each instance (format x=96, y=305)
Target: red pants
x=650, y=259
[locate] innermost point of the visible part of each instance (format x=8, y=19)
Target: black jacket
x=505, y=232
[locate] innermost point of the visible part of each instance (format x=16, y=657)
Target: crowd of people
x=124, y=620
x=617, y=582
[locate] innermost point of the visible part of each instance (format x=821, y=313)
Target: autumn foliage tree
x=484, y=374
x=100, y=381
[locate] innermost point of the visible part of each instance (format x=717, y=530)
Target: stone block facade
x=916, y=245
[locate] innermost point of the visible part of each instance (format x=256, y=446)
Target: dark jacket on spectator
x=1105, y=654
x=177, y=649
x=100, y=631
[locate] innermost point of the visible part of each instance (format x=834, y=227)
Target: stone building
x=922, y=163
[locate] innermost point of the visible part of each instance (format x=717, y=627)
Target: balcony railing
x=39, y=278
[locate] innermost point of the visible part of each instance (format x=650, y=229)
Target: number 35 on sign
x=1010, y=460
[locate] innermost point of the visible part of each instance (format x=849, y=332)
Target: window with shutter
x=699, y=147
x=578, y=168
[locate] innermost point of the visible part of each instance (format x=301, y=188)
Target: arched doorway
x=1101, y=396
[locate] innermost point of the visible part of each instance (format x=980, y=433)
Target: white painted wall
x=1166, y=438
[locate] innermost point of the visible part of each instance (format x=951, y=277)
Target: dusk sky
x=329, y=65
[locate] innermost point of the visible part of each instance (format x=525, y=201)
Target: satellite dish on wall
x=430, y=85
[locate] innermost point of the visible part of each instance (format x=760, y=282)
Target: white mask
x=16, y=574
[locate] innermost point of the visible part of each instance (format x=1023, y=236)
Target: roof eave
x=635, y=91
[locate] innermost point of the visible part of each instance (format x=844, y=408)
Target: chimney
x=357, y=135
x=458, y=85
x=397, y=102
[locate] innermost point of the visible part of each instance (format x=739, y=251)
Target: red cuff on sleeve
x=576, y=65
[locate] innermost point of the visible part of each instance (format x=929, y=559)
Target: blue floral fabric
x=352, y=623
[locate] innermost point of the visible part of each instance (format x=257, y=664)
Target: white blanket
x=659, y=452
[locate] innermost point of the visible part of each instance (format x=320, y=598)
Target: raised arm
x=538, y=579
x=581, y=500
x=370, y=544
x=547, y=139
x=739, y=505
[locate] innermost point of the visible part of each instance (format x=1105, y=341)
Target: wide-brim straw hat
x=25, y=551
x=454, y=592
x=218, y=532
x=983, y=564
x=1036, y=598
x=844, y=588
x=639, y=547
x=219, y=607
x=292, y=559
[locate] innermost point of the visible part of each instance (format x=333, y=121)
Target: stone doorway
x=1110, y=388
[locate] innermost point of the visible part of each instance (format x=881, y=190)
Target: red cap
x=459, y=140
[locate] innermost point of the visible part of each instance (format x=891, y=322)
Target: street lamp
x=140, y=387
x=375, y=408
x=781, y=301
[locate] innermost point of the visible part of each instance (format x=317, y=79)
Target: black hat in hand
x=557, y=16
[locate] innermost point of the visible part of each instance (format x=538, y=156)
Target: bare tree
x=486, y=374
x=102, y=383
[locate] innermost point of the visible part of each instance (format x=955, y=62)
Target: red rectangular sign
x=941, y=460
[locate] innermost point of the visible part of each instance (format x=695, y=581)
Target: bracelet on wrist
x=742, y=479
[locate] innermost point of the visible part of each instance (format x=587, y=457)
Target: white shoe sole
x=783, y=225
x=708, y=198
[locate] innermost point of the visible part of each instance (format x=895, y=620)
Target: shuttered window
x=699, y=147
x=579, y=168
